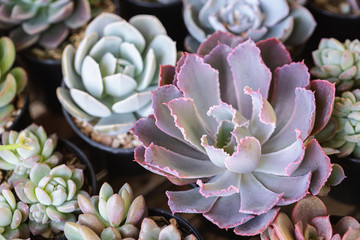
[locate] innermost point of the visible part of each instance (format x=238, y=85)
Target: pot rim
x=316, y=8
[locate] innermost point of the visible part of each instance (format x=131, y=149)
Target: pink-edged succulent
x=310, y=220
x=237, y=119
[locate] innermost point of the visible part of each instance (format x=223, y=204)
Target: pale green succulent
x=108, y=216
x=51, y=194
x=109, y=77
x=338, y=63
x=13, y=214
x=46, y=22
x=21, y=150
x=150, y=230
x=343, y=130
x=12, y=80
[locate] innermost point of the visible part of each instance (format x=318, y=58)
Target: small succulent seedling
x=13, y=214
x=51, y=194
x=310, y=220
x=110, y=76
x=47, y=23
x=12, y=80
x=291, y=23
x=214, y=125
x=108, y=216
x=338, y=63
x=21, y=150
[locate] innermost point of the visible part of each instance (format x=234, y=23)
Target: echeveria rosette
x=12, y=80
x=13, y=214
x=46, y=22
x=342, y=133
x=21, y=150
x=109, y=215
x=52, y=196
x=111, y=74
x=290, y=22
x=338, y=63
x=237, y=122
x=310, y=220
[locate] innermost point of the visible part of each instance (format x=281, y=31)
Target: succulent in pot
x=21, y=150
x=13, y=215
x=44, y=22
x=110, y=76
x=289, y=22
x=338, y=63
x=222, y=121
x=13, y=81
x=310, y=220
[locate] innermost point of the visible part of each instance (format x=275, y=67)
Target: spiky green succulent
x=21, y=150
x=108, y=216
x=342, y=132
x=12, y=80
x=51, y=194
x=110, y=76
x=338, y=63
x=13, y=214
x=46, y=22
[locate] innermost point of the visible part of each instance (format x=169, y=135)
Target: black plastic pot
x=332, y=25
x=117, y=160
x=169, y=14
x=348, y=191
x=45, y=76
x=23, y=119
x=184, y=225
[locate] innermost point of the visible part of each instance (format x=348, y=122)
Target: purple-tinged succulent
x=289, y=22
x=109, y=215
x=310, y=220
x=237, y=120
x=47, y=22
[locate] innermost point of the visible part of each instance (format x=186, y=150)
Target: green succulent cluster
x=342, y=132
x=338, y=63
x=13, y=80
x=21, y=150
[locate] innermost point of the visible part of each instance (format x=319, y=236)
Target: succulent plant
x=342, y=132
x=108, y=216
x=13, y=214
x=338, y=63
x=291, y=23
x=237, y=122
x=12, y=80
x=151, y=230
x=44, y=22
x=111, y=74
x=21, y=150
x=310, y=220
x=51, y=194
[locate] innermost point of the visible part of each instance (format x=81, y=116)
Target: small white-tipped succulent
x=151, y=230
x=111, y=74
x=342, y=132
x=47, y=22
x=289, y=22
x=12, y=80
x=338, y=63
x=13, y=214
x=108, y=216
x=51, y=194
x=21, y=150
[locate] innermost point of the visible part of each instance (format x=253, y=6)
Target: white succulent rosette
x=289, y=22
x=52, y=196
x=109, y=78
